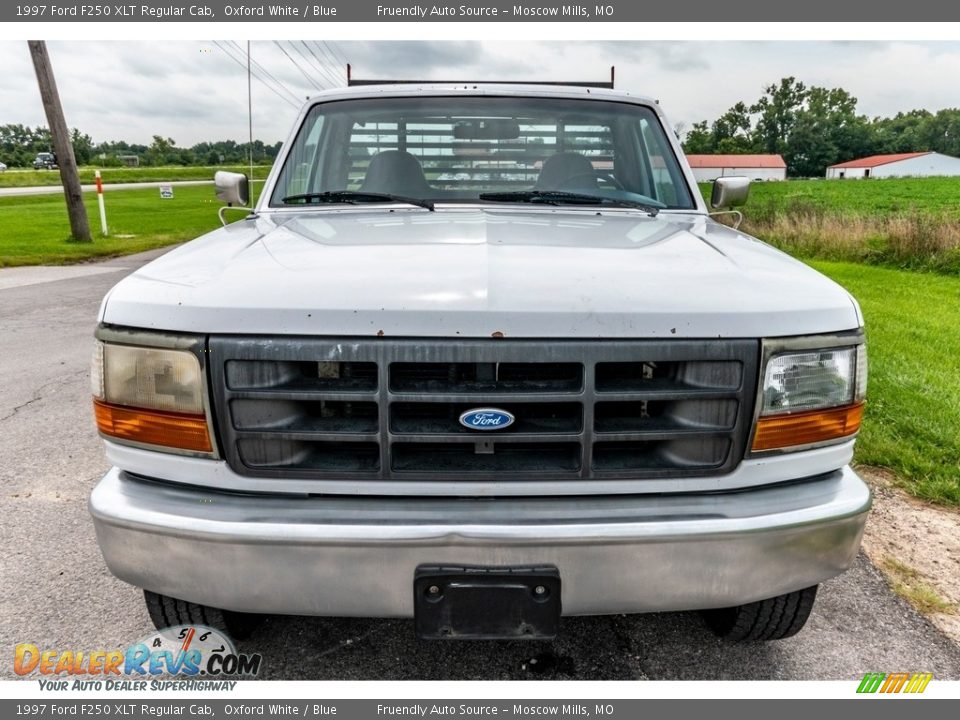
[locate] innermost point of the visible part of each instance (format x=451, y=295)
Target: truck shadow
x=843, y=640
x=619, y=647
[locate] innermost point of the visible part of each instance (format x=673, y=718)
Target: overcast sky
x=194, y=91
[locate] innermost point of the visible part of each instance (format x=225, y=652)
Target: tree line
x=20, y=144
x=815, y=127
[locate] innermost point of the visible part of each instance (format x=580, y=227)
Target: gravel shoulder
x=917, y=545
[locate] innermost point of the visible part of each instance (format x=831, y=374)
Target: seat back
x=396, y=172
x=567, y=171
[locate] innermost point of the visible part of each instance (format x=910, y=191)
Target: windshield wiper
x=563, y=197
x=352, y=197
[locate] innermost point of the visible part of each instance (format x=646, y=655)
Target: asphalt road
x=56, y=592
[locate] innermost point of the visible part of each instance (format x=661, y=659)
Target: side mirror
x=232, y=188
x=728, y=192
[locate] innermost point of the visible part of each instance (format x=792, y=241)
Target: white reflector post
x=103, y=211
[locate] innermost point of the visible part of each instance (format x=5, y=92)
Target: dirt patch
x=917, y=546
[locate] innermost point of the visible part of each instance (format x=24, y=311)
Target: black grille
x=377, y=409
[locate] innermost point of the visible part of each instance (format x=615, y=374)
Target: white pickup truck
x=481, y=357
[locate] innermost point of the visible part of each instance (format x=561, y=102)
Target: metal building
x=916, y=164
x=756, y=167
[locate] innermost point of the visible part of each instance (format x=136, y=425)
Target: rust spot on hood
x=379, y=333
x=496, y=334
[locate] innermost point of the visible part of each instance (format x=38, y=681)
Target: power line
x=263, y=82
x=333, y=61
x=311, y=66
x=259, y=79
x=335, y=49
x=339, y=58
x=297, y=65
x=263, y=71
x=321, y=64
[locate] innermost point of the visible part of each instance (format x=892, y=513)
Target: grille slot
x=302, y=376
x=638, y=455
x=668, y=377
x=274, y=453
x=664, y=416
x=352, y=410
x=330, y=416
x=456, y=458
x=485, y=377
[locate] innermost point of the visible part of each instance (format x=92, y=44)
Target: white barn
x=917, y=164
x=707, y=168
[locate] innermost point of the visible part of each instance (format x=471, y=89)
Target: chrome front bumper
x=349, y=556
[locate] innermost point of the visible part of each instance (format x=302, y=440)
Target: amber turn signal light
x=153, y=427
x=776, y=432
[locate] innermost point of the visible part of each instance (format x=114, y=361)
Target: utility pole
x=66, y=161
x=250, y=111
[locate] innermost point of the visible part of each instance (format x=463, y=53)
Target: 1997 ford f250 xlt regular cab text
x=479, y=357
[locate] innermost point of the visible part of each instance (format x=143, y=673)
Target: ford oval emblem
x=486, y=419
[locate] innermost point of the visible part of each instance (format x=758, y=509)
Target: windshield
x=482, y=149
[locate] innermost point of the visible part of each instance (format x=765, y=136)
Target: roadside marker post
x=103, y=211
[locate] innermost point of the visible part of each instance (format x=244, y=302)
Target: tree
x=825, y=130
x=778, y=109
x=699, y=140
x=82, y=146
x=941, y=132
x=161, y=151
x=900, y=133
x=732, y=131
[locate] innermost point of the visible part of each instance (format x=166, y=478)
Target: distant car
x=45, y=161
x=3, y=168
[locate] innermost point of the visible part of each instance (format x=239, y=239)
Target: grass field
x=37, y=178
x=912, y=423
x=904, y=222
x=938, y=196
x=34, y=229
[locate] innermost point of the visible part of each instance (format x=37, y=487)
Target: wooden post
x=62, y=146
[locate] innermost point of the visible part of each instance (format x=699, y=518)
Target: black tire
x=772, y=619
x=167, y=612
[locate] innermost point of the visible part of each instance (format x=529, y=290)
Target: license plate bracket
x=486, y=603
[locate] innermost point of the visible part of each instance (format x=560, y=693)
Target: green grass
x=906, y=582
x=911, y=223
x=912, y=422
x=34, y=229
x=877, y=197
x=36, y=178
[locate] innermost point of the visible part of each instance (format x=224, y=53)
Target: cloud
x=402, y=60
x=672, y=56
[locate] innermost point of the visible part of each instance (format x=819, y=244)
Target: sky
x=195, y=91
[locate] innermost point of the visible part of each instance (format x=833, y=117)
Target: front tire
x=772, y=619
x=167, y=612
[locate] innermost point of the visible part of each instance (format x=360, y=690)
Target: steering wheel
x=611, y=178
x=584, y=181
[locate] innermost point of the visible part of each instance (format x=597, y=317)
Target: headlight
x=811, y=397
x=152, y=396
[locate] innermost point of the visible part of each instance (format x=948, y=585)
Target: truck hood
x=535, y=273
